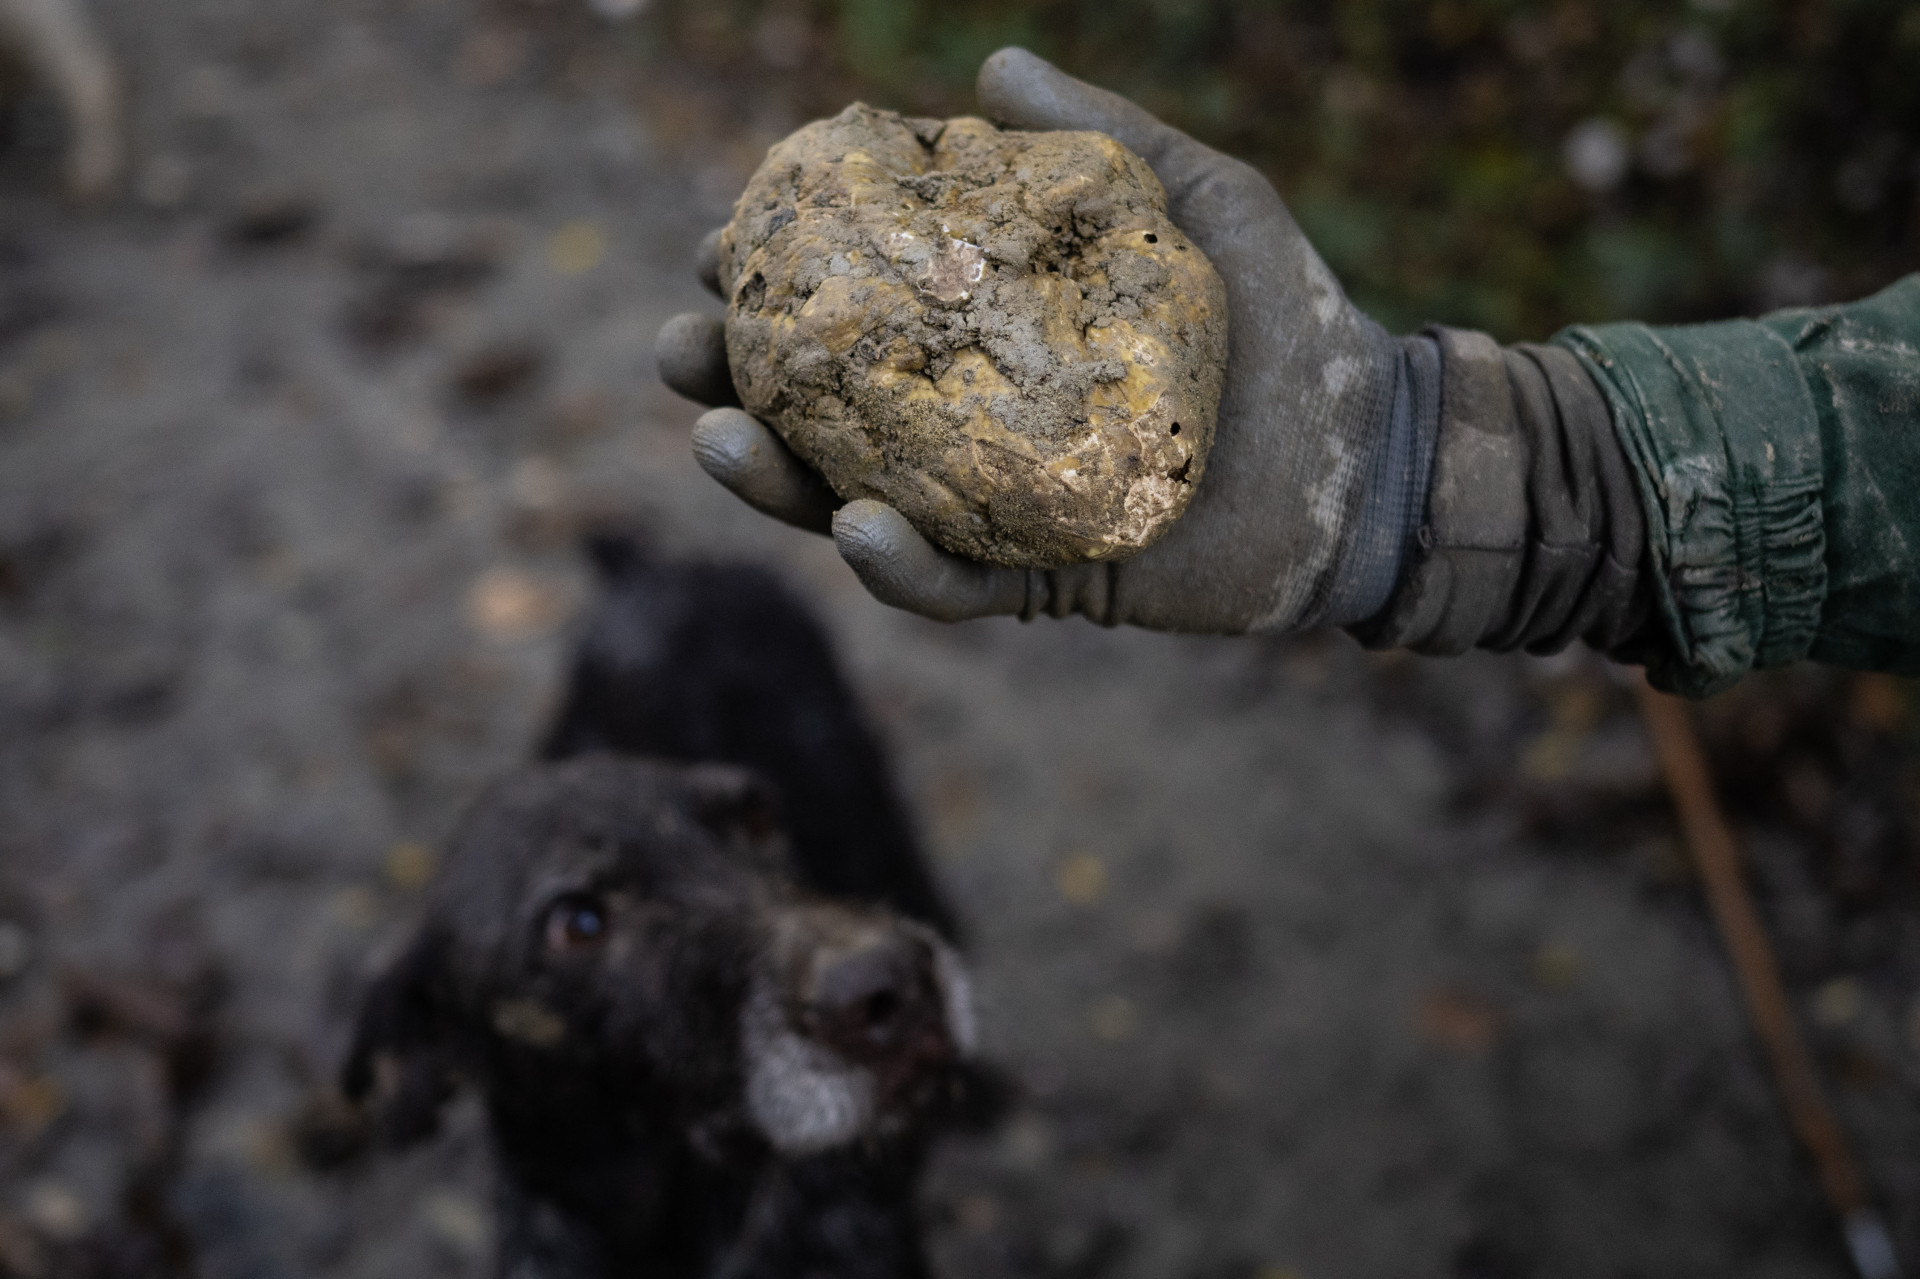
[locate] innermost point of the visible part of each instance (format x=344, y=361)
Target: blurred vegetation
x=1509, y=166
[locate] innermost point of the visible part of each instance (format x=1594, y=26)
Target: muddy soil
x=1309, y=964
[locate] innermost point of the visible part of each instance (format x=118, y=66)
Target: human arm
x=1704, y=500
x=1778, y=463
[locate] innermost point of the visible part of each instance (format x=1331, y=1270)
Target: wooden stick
x=1717, y=857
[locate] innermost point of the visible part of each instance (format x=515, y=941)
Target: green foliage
x=1771, y=147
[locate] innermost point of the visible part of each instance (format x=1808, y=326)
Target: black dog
x=706, y=1050
x=720, y=664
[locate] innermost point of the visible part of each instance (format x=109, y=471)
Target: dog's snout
x=878, y=1001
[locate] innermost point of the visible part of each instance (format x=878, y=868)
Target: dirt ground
x=1311, y=965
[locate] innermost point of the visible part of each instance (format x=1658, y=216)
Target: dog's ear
x=739, y=807
x=401, y=1068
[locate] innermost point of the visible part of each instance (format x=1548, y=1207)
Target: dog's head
x=615, y=945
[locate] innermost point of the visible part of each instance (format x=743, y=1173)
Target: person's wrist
x=1394, y=494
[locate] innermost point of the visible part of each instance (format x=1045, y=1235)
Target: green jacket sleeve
x=1778, y=462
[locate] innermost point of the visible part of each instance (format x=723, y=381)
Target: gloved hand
x=1320, y=461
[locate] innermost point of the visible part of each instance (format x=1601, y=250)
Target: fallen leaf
x=1457, y=1021
x=509, y=605
x=30, y=1102
x=577, y=248
x=1082, y=879
x=1879, y=702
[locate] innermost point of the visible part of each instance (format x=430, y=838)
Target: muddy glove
x=1311, y=511
x=1316, y=468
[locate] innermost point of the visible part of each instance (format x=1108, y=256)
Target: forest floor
x=1309, y=963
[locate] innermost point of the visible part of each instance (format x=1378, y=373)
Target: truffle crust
x=1000, y=334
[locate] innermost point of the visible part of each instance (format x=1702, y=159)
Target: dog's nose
x=878, y=1001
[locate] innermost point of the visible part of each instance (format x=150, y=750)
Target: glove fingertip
x=755, y=465
x=706, y=262
x=691, y=354
x=901, y=568
x=1021, y=89
x=724, y=442
x=877, y=540
x=1018, y=87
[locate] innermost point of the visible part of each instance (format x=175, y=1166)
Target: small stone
x=56, y=1211
x=1837, y=1003
x=1000, y=334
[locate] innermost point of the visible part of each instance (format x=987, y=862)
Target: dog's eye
x=575, y=922
x=879, y=1009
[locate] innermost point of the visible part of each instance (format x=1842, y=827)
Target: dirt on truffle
x=1001, y=334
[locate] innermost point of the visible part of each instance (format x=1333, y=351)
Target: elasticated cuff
x=1460, y=583
x=1725, y=442
x=1531, y=535
x=1382, y=538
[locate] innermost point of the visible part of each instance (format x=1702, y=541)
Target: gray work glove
x=1319, y=466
